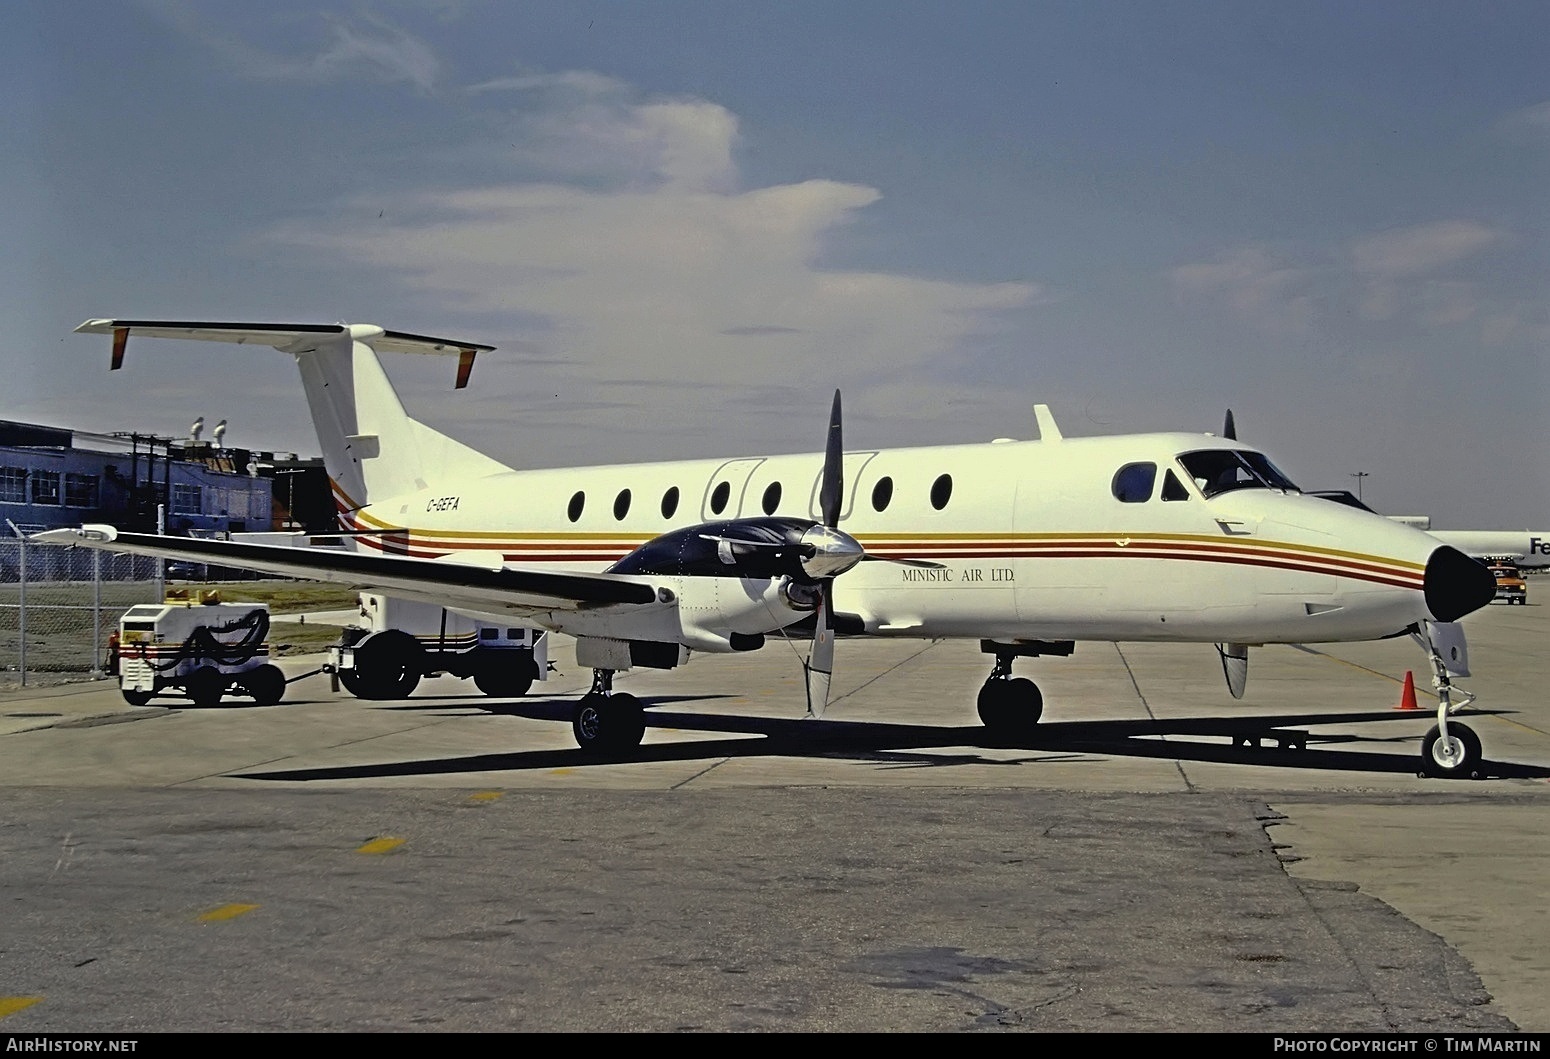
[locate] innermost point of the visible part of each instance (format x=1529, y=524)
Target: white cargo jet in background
x=1026, y=546
x=1529, y=549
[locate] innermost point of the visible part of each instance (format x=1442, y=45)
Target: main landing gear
x=1010, y=706
x=1450, y=749
x=605, y=721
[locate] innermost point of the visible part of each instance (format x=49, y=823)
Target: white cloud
x=581, y=82
x=374, y=46
x=366, y=46
x=668, y=271
x=1272, y=296
x=1531, y=123
x=1385, y=277
x=1420, y=249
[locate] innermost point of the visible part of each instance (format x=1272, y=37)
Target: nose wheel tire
x=1458, y=756
x=608, y=724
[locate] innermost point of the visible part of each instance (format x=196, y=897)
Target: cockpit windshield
x=1221, y=470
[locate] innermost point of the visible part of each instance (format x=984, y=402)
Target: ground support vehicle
x=397, y=642
x=198, y=647
x=1511, y=586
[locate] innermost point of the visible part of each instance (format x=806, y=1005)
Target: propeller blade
x=833, y=486
x=819, y=667
x=1229, y=428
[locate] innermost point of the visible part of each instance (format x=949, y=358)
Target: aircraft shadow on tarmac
x=1281, y=741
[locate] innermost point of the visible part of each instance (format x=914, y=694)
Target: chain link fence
x=58, y=605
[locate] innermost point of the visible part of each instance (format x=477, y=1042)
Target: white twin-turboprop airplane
x=1026, y=546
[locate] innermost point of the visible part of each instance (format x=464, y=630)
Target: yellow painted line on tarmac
x=381, y=845
x=485, y=796
x=215, y=915
x=1419, y=690
x=10, y=1005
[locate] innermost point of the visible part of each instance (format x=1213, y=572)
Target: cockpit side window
x=1222, y=470
x=1133, y=482
x=1173, y=489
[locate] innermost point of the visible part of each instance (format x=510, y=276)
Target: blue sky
x=684, y=224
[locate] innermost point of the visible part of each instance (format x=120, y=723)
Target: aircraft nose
x=1456, y=585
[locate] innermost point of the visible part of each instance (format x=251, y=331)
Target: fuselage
x=1109, y=538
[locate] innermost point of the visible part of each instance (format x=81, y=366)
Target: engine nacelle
x=717, y=615
x=724, y=614
x=747, y=548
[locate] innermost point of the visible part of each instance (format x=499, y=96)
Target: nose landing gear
x=1449, y=749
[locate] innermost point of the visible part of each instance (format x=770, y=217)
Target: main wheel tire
x=608, y=724
x=388, y=665
x=504, y=677
x=995, y=705
x=1010, y=708
x=266, y=684
x=1459, y=757
x=136, y=698
x=205, y=686
x=1027, y=701
x=351, y=683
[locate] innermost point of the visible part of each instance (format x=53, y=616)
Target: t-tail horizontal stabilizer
x=288, y=338
x=371, y=447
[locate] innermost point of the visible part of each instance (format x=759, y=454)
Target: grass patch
x=283, y=597
x=301, y=638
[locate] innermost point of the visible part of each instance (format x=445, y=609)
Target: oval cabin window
x=941, y=491
x=771, y=498
x=1133, y=482
x=882, y=492
x=577, y=502
x=670, y=502
x=622, y=504
x=719, y=498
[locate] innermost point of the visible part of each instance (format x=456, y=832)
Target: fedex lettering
x=1538, y=546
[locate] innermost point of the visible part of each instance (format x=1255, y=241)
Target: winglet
x=120, y=340
x=1048, y=431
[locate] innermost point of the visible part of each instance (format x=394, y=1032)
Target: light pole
x=290, y=494
x=1358, y=475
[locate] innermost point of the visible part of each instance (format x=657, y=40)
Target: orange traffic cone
x=1407, y=700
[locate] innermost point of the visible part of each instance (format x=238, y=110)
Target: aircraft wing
x=490, y=587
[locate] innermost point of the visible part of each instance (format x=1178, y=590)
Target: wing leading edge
x=496, y=587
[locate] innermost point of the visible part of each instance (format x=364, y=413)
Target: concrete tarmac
x=1150, y=861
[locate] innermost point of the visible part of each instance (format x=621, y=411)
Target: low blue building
x=52, y=477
